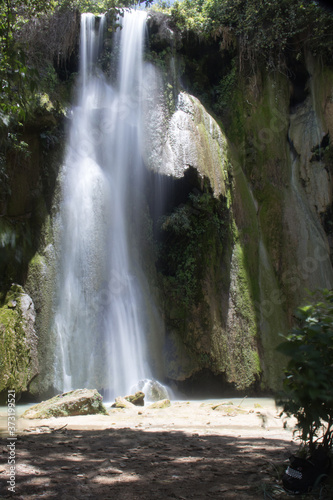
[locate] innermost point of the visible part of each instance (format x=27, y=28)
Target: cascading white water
x=100, y=318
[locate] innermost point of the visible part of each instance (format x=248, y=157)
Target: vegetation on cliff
x=308, y=376
x=224, y=42
x=253, y=64
x=18, y=341
x=190, y=235
x=20, y=74
x=260, y=28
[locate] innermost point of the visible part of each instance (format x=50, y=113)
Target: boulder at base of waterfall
x=164, y=403
x=153, y=390
x=78, y=402
x=123, y=403
x=136, y=399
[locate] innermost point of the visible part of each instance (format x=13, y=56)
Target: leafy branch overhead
x=18, y=77
x=261, y=28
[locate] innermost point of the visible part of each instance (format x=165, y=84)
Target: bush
x=308, y=393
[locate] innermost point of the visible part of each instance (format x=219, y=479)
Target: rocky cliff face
x=18, y=351
x=214, y=329
x=274, y=170
x=27, y=252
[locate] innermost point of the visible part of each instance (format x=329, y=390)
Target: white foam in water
x=100, y=315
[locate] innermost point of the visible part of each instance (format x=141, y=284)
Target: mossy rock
x=78, y=402
x=159, y=405
x=136, y=399
x=18, y=341
x=123, y=403
x=40, y=285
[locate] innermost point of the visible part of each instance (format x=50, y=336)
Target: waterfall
x=100, y=320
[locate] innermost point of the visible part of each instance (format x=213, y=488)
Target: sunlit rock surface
x=191, y=138
x=78, y=402
x=18, y=341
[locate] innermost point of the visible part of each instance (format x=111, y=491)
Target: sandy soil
x=186, y=451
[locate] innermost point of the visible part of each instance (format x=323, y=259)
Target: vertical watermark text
x=11, y=440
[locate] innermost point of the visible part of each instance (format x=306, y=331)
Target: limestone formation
x=153, y=390
x=192, y=138
x=18, y=341
x=78, y=402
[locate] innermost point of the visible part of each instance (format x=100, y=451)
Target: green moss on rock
x=41, y=285
x=235, y=345
x=159, y=405
x=78, y=402
x=18, y=341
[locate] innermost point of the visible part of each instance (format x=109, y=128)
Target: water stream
x=101, y=320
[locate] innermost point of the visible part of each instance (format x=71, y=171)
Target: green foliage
x=189, y=236
x=308, y=377
x=4, y=180
x=327, y=156
x=99, y=6
x=226, y=88
x=19, y=79
x=17, y=145
x=161, y=58
x=189, y=15
x=162, y=5
x=264, y=29
x=15, y=75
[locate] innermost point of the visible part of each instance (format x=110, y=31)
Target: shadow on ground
x=128, y=464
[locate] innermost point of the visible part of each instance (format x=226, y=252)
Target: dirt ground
x=186, y=451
